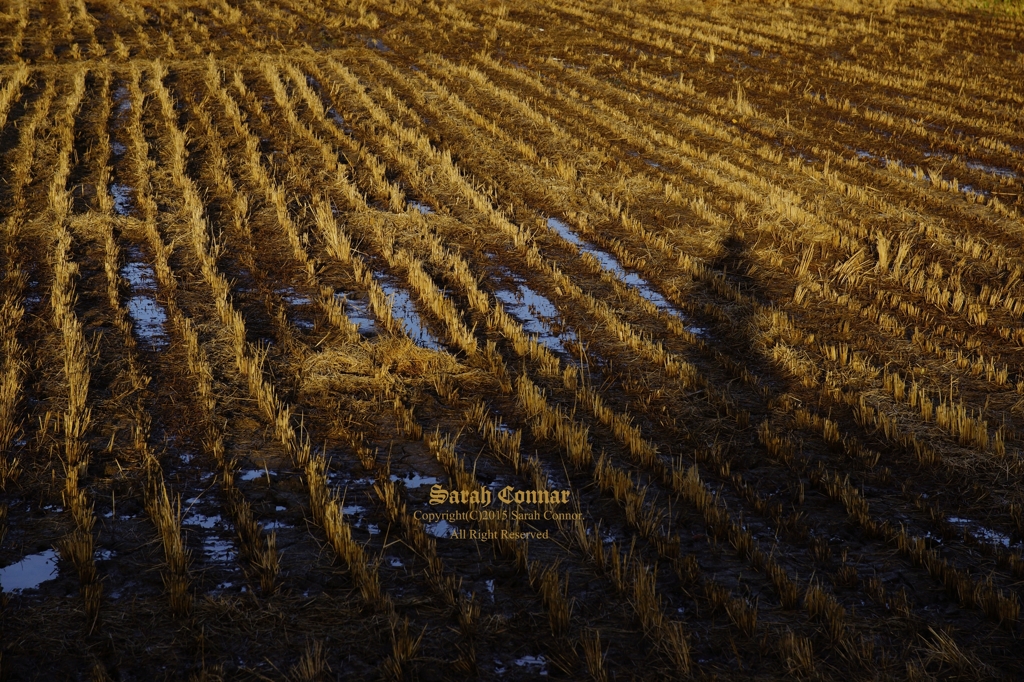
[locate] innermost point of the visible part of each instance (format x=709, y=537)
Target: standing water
x=148, y=315
x=30, y=572
x=631, y=279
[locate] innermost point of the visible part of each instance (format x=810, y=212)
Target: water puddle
x=927, y=177
x=215, y=549
x=358, y=311
x=633, y=280
x=33, y=299
x=356, y=511
x=139, y=274
x=414, y=480
x=441, y=529
x=277, y=525
x=122, y=198
x=341, y=480
x=538, y=665
x=30, y=572
x=292, y=297
x=992, y=536
x=149, y=316
x=299, y=301
x=201, y=520
x=105, y=555
x=798, y=153
x=339, y=121
x=636, y=155
x=403, y=309
x=122, y=517
x=118, y=148
x=219, y=551
x=971, y=189
x=538, y=315
x=999, y=171
x=122, y=101
x=395, y=562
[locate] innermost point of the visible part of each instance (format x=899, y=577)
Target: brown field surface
x=746, y=280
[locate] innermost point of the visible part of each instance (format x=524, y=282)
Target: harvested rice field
x=435, y=340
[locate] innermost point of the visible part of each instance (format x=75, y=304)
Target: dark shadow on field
x=832, y=533
x=735, y=264
x=740, y=344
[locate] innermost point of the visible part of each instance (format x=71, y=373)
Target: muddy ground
x=742, y=280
